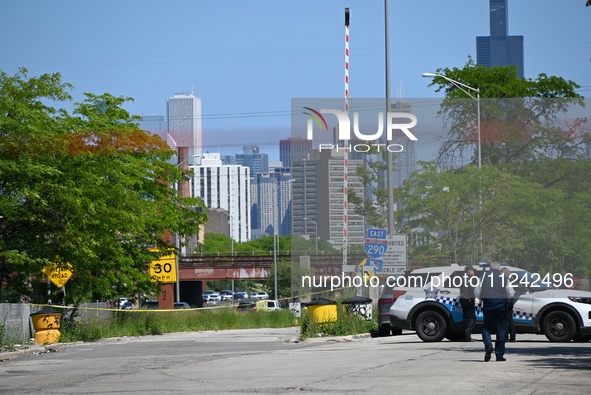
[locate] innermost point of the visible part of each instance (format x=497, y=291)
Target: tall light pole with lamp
x=315, y=230
x=275, y=202
x=466, y=89
x=230, y=234
x=231, y=227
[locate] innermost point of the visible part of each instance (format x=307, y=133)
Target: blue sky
x=246, y=60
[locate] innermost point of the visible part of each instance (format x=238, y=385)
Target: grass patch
x=346, y=324
x=154, y=322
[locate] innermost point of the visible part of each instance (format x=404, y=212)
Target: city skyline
x=246, y=61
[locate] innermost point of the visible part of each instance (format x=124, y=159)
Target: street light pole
x=315, y=231
x=231, y=230
x=389, y=156
x=275, y=202
x=461, y=87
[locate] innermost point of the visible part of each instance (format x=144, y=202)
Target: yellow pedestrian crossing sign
x=58, y=274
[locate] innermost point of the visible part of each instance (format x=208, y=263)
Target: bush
x=345, y=324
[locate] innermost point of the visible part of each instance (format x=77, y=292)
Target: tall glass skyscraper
x=500, y=49
x=184, y=122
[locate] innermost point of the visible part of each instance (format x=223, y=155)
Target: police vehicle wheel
x=559, y=327
x=430, y=326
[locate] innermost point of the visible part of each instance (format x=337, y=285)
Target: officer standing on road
x=467, y=302
x=510, y=303
x=494, y=290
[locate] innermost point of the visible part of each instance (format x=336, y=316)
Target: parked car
x=259, y=295
x=214, y=297
x=268, y=305
x=124, y=304
x=431, y=306
x=387, y=298
x=240, y=295
x=246, y=306
x=226, y=295
x=153, y=304
x=205, y=296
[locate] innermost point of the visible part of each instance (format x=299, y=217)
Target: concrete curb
x=337, y=339
x=33, y=350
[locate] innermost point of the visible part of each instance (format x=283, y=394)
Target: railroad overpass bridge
x=251, y=267
x=196, y=270
x=225, y=267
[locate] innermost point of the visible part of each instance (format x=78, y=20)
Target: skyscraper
x=317, y=194
x=224, y=187
x=184, y=122
x=293, y=149
x=271, y=204
x=500, y=49
x=258, y=162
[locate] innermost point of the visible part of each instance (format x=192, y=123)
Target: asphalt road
x=269, y=361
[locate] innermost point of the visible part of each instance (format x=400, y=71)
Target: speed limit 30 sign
x=164, y=269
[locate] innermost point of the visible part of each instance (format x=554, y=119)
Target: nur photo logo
x=402, y=121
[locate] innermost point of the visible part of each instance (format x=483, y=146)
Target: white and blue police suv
x=427, y=301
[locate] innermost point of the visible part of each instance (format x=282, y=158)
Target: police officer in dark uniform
x=467, y=303
x=494, y=291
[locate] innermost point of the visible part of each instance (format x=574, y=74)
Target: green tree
x=284, y=279
x=372, y=175
x=88, y=187
x=462, y=213
x=518, y=116
x=529, y=134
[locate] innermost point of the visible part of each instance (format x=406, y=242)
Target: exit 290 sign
x=376, y=243
x=164, y=269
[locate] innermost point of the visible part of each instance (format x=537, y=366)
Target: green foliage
x=469, y=210
x=372, y=175
x=154, y=322
x=89, y=187
x=528, y=205
x=345, y=324
x=284, y=278
x=517, y=115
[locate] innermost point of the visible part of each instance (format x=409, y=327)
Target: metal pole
x=478, y=121
x=461, y=87
x=315, y=231
x=316, y=235
x=390, y=168
x=346, y=151
x=275, y=241
x=231, y=234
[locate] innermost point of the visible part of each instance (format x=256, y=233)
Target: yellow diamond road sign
x=58, y=274
x=164, y=269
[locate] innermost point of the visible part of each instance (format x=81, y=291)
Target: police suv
x=427, y=300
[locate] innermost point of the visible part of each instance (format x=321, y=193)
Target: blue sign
x=376, y=243
x=377, y=234
x=375, y=264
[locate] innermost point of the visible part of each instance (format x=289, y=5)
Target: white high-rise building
x=224, y=187
x=184, y=122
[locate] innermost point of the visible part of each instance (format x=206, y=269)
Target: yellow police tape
x=161, y=310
